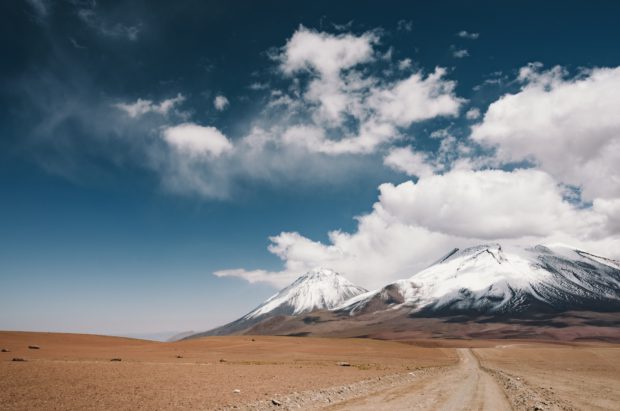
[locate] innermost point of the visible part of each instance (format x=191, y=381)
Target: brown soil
x=72, y=371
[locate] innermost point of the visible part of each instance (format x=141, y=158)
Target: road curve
x=463, y=387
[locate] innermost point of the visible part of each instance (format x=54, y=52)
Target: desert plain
x=77, y=371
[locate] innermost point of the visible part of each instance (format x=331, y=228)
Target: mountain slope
x=490, y=279
x=319, y=289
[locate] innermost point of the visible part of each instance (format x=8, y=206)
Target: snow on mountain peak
x=492, y=278
x=318, y=273
x=320, y=288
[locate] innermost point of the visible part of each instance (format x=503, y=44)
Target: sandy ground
x=464, y=387
x=76, y=372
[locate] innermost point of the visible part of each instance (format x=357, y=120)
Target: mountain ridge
x=484, y=280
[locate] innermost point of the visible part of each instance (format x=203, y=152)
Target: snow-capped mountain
x=491, y=279
x=319, y=289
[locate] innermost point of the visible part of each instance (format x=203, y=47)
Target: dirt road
x=463, y=387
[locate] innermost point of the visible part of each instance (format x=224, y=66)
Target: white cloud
x=313, y=139
x=324, y=53
x=141, y=107
x=461, y=53
x=257, y=86
x=468, y=35
x=345, y=109
x=416, y=98
x=412, y=225
x=220, y=103
x=197, y=141
x=404, y=64
x=567, y=127
x=489, y=204
x=326, y=57
x=472, y=114
x=411, y=163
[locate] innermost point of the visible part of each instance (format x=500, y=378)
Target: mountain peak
x=490, y=278
x=318, y=289
x=489, y=250
x=319, y=273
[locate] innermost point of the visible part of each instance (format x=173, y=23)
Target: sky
x=166, y=167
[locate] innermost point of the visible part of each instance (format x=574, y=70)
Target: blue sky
x=145, y=146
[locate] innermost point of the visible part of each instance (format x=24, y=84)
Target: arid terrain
x=71, y=371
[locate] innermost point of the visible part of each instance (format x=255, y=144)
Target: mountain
x=487, y=291
x=319, y=289
x=491, y=279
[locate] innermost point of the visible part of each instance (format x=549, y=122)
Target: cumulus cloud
x=196, y=141
x=452, y=154
x=141, y=107
x=220, y=103
x=348, y=109
x=326, y=53
x=408, y=161
x=487, y=204
x=416, y=98
x=568, y=127
x=414, y=224
x=326, y=56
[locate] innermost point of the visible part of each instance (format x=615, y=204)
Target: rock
x=34, y=347
x=222, y=360
x=275, y=402
x=344, y=364
x=4, y=350
x=237, y=391
x=179, y=356
x=19, y=359
x=116, y=359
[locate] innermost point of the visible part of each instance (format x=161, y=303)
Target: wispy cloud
x=468, y=35
x=141, y=107
x=75, y=44
x=92, y=18
x=404, y=25
x=41, y=8
x=459, y=53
